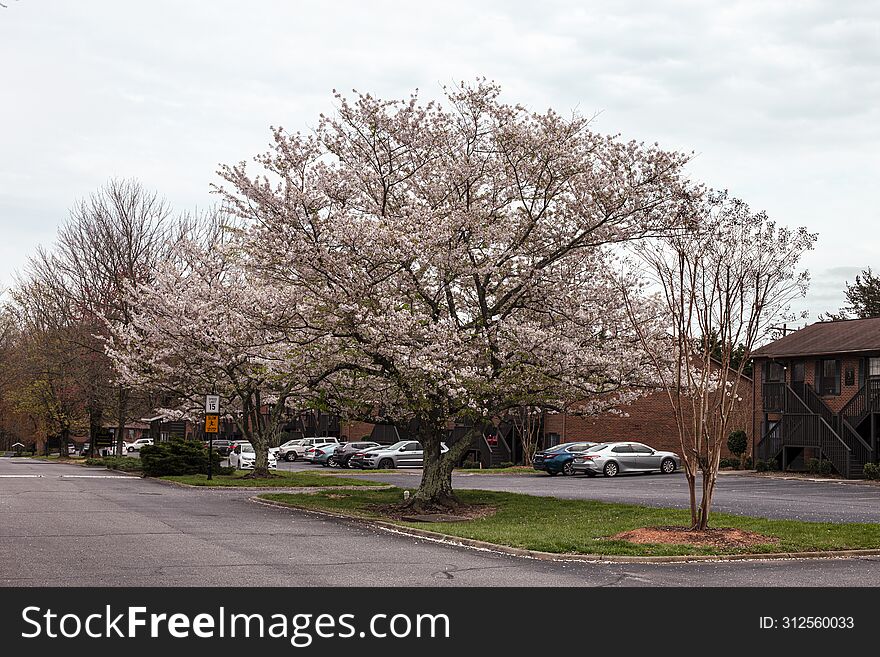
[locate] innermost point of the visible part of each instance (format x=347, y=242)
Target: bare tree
x=723, y=283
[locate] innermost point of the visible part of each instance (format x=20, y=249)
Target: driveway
x=818, y=501
x=64, y=525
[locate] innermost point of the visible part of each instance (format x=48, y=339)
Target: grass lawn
x=293, y=479
x=583, y=526
x=516, y=469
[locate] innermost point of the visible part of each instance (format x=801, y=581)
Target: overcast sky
x=780, y=100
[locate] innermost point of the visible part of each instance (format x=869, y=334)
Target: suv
x=295, y=449
x=221, y=446
x=343, y=454
x=137, y=444
x=406, y=453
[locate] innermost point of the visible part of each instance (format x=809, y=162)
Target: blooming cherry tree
x=459, y=256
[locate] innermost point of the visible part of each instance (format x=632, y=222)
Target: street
x=65, y=525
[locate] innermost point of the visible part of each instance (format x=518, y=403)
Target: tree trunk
x=692, y=493
x=95, y=417
x=706, y=502
x=121, y=416
x=435, y=493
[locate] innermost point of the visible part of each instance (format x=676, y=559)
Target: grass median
x=563, y=526
x=281, y=479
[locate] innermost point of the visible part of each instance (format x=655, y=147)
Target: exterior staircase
x=807, y=421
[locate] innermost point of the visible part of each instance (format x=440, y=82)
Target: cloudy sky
x=779, y=100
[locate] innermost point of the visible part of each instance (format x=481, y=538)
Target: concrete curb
x=448, y=539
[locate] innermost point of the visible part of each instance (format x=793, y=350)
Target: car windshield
x=398, y=444
x=247, y=448
x=599, y=447
x=557, y=448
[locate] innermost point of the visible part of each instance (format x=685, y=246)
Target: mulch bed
x=713, y=537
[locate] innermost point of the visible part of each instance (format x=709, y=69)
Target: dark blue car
x=559, y=458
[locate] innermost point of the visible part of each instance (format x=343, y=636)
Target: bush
x=819, y=466
x=767, y=466
x=729, y=463
x=737, y=443
x=124, y=463
x=747, y=463
x=872, y=471
x=177, y=457
x=505, y=464
x=471, y=464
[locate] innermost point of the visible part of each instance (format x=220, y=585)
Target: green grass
x=583, y=526
x=292, y=479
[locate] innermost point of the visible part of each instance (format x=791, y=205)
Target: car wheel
x=610, y=469
x=568, y=469
x=290, y=456
x=386, y=464
x=668, y=466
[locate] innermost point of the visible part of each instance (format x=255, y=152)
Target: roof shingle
x=826, y=338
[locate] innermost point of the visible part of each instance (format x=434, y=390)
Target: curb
x=561, y=556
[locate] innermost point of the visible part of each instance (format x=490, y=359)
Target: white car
x=296, y=449
x=243, y=457
x=137, y=444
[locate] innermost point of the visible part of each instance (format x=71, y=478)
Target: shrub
x=505, y=464
x=872, y=471
x=470, y=463
x=124, y=463
x=819, y=466
x=767, y=466
x=737, y=443
x=177, y=457
x=729, y=463
x=747, y=463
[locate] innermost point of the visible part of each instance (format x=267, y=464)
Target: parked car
x=137, y=444
x=324, y=453
x=403, y=454
x=613, y=458
x=243, y=457
x=295, y=449
x=222, y=446
x=356, y=460
x=342, y=455
x=559, y=458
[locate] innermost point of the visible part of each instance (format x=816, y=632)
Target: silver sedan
x=611, y=459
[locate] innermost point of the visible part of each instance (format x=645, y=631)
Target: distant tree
x=863, y=298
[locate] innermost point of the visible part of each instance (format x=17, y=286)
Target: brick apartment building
x=819, y=395
x=649, y=419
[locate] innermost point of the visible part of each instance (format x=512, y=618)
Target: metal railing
x=771, y=443
x=867, y=399
x=773, y=395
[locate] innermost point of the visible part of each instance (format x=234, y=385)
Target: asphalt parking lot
x=739, y=493
x=61, y=525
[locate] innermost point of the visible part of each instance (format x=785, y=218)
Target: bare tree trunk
x=121, y=417
x=435, y=493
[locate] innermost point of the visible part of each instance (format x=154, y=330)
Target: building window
x=828, y=382
x=874, y=367
x=775, y=372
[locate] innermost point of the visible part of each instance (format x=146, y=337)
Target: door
x=411, y=455
x=645, y=458
x=624, y=456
